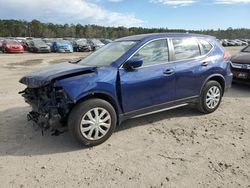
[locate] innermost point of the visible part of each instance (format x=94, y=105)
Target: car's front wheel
x=92, y=122
x=210, y=97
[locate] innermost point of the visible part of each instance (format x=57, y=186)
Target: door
x=191, y=66
x=151, y=84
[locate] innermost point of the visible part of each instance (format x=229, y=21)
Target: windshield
x=38, y=42
x=107, y=54
x=81, y=41
x=47, y=40
x=12, y=42
x=63, y=42
x=95, y=41
x=247, y=49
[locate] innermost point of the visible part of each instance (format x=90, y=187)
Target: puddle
x=62, y=60
x=27, y=62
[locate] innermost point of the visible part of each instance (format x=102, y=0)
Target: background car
x=12, y=46
x=38, y=45
x=61, y=46
x=82, y=45
x=237, y=42
x=246, y=40
x=25, y=44
x=240, y=66
x=243, y=43
x=95, y=44
x=49, y=42
x=1, y=43
x=72, y=42
x=227, y=42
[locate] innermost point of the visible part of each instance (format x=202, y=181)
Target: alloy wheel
x=213, y=97
x=95, y=123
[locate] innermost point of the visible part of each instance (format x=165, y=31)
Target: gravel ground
x=178, y=148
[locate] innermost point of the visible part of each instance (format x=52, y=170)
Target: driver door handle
x=168, y=71
x=204, y=64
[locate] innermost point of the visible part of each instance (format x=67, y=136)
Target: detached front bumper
x=52, y=119
x=49, y=107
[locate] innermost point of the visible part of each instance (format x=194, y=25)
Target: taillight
x=226, y=56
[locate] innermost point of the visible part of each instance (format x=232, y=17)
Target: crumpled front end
x=50, y=106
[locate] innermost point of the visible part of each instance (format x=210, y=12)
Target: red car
x=12, y=46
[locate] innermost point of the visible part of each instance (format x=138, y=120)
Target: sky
x=172, y=14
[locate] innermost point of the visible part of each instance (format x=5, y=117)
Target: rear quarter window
x=185, y=48
x=206, y=46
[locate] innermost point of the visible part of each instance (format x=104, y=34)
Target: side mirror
x=133, y=63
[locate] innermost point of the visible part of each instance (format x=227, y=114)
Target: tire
x=210, y=97
x=86, y=112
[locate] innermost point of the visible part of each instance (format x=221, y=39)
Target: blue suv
x=130, y=77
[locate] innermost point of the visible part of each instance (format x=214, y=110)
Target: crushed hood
x=44, y=76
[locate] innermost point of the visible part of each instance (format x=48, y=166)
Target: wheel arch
x=216, y=77
x=103, y=96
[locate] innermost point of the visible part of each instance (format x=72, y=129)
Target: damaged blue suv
x=130, y=77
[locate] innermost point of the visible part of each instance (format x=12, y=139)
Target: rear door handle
x=168, y=71
x=204, y=64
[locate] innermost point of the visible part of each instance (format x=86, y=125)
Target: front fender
x=102, y=81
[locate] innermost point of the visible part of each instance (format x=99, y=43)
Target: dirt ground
x=178, y=148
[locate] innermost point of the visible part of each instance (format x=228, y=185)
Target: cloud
x=229, y=2
x=115, y=1
x=181, y=3
x=64, y=11
x=174, y=3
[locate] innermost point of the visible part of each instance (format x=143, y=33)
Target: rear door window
x=206, y=46
x=185, y=48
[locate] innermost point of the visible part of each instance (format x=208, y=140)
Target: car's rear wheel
x=210, y=97
x=92, y=122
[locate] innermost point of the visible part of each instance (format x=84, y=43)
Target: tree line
x=35, y=28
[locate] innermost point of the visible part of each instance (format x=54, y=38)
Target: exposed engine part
x=49, y=107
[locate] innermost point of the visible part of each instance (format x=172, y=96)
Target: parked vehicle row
x=46, y=45
x=235, y=42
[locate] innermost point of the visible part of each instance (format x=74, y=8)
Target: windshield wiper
x=74, y=62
